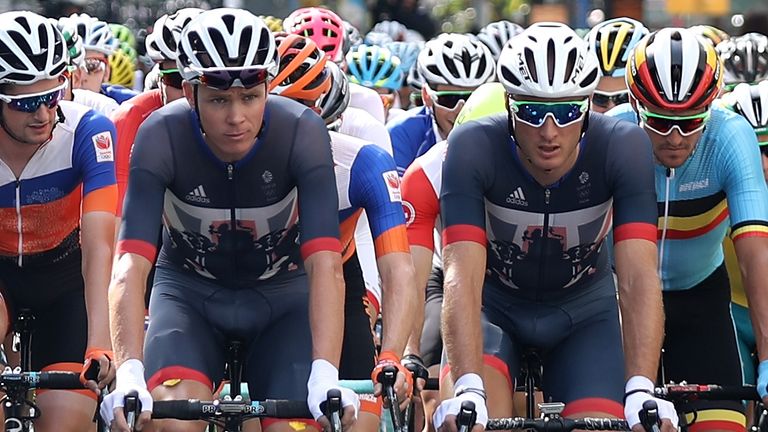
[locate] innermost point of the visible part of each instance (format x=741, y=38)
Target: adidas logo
x=198, y=195
x=517, y=198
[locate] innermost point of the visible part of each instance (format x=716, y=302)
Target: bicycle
x=681, y=394
x=18, y=383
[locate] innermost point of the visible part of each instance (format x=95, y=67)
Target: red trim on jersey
x=488, y=360
x=177, y=373
x=723, y=425
x=420, y=200
x=320, y=244
x=635, y=230
x=457, y=233
x=374, y=302
x=139, y=247
x=579, y=407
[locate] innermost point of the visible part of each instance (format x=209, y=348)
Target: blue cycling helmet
x=407, y=52
x=374, y=67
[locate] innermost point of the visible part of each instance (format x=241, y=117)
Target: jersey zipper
x=18, y=220
x=544, y=235
x=232, y=213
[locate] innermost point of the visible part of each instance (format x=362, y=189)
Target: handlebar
x=558, y=424
x=42, y=380
x=685, y=391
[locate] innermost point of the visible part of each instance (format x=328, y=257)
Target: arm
x=640, y=301
x=464, y=266
x=422, y=264
x=752, y=253
x=326, y=305
x=97, y=239
x=399, y=300
x=126, y=306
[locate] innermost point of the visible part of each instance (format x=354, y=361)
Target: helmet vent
x=530, y=61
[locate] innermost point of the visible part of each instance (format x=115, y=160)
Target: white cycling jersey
x=367, y=100
x=96, y=101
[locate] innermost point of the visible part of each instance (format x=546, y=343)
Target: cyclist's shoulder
x=488, y=99
x=727, y=128
x=97, y=101
x=117, y=92
x=414, y=121
x=623, y=112
x=137, y=109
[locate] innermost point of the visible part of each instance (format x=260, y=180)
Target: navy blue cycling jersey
x=234, y=222
x=545, y=241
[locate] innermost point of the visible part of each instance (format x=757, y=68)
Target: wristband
x=631, y=392
x=388, y=356
x=469, y=383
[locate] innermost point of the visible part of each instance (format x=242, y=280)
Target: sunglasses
x=223, y=79
x=416, y=99
x=536, y=113
x=604, y=99
x=171, y=78
x=449, y=98
x=94, y=65
x=387, y=99
x=29, y=103
x=664, y=124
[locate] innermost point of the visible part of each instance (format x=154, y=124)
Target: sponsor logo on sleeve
x=392, y=181
x=102, y=144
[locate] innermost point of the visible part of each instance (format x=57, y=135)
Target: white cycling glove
x=323, y=377
x=469, y=387
x=640, y=389
x=129, y=377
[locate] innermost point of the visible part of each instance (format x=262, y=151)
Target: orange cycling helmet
x=673, y=69
x=302, y=73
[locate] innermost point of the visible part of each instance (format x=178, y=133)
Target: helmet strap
x=197, y=110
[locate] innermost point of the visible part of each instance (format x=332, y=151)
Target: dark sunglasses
x=224, y=79
x=604, y=99
x=535, y=113
x=449, y=98
x=29, y=103
x=663, y=124
x=95, y=64
x=171, y=78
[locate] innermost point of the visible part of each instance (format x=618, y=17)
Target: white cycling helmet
x=226, y=39
x=31, y=48
x=548, y=60
x=394, y=29
x=96, y=34
x=751, y=101
x=496, y=34
x=162, y=43
x=455, y=59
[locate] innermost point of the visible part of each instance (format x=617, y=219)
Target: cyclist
x=99, y=43
x=745, y=59
x=452, y=66
x=366, y=179
x=58, y=199
x=541, y=185
x=496, y=34
x=75, y=70
x=230, y=172
x=707, y=180
x=376, y=68
x=710, y=33
x=751, y=102
x=612, y=41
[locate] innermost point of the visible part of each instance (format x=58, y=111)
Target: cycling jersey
x=412, y=135
x=366, y=179
x=71, y=174
x=720, y=184
x=486, y=100
x=361, y=124
x=235, y=222
x=421, y=203
x=96, y=101
x=367, y=100
x=127, y=120
x=547, y=241
x=117, y=92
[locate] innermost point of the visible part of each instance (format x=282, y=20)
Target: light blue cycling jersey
x=721, y=183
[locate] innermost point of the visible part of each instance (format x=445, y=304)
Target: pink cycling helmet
x=321, y=25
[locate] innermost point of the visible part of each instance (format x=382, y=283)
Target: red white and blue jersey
x=366, y=179
x=546, y=241
x=243, y=223
x=70, y=175
x=421, y=199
